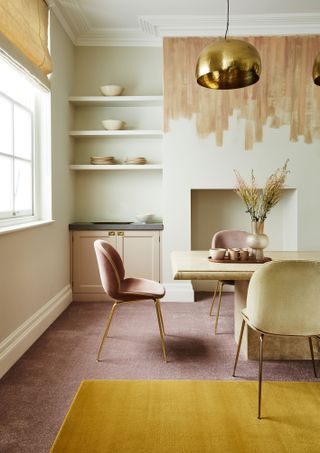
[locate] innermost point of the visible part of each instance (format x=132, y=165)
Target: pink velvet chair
x=125, y=290
x=226, y=239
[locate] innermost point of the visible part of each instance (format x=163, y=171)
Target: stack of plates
x=136, y=161
x=107, y=160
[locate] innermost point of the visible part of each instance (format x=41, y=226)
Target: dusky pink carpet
x=37, y=392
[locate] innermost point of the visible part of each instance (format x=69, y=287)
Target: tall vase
x=257, y=240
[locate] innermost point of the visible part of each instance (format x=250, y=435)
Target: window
x=24, y=148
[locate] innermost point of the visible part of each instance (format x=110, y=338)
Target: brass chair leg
x=214, y=297
x=106, y=329
x=238, y=348
x=161, y=318
x=218, y=308
x=312, y=356
x=260, y=374
x=157, y=303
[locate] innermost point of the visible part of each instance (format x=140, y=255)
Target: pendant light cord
x=228, y=12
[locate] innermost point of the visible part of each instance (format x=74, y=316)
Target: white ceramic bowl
x=217, y=254
x=113, y=125
x=111, y=90
x=144, y=218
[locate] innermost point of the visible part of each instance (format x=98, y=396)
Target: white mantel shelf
x=117, y=167
x=117, y=101
x=118, y=133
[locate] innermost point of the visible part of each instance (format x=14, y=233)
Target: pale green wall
x=34, y=263
x=138, y=69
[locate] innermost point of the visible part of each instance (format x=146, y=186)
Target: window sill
x=24, y=226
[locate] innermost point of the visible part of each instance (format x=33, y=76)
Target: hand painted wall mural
x=284, y=95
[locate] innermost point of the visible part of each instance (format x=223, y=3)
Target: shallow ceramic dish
x=113, y=125
x=144, y=218
x=217, y=254
x=111, y=90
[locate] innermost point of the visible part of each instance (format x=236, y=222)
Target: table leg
x=240, y=302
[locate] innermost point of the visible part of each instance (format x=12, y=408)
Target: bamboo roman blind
x=24, y=23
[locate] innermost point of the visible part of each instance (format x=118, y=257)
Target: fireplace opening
x=221, y=209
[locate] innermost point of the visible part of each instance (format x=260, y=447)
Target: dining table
x=195, y=265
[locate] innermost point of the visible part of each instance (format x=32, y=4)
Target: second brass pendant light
x=316, y=70
x=228, y=64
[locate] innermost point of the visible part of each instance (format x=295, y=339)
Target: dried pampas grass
x=259, y=201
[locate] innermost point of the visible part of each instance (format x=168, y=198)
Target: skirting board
x=90, y=297
x=20, y=340
x=178, y=292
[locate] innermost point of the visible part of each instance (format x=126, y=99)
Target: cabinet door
x=140, y=251
x=85, y=273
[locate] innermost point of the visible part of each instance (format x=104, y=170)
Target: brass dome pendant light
x=228, y=64
x=316, y=70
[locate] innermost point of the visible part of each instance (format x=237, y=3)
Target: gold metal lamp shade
x=228, y=64
x=316, y=70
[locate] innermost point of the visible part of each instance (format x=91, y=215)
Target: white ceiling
x=145, y=22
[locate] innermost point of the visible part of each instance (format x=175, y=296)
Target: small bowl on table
x=111, y=90
x=113, y=125
x=217, y=253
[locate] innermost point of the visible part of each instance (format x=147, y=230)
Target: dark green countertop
x=115, y=226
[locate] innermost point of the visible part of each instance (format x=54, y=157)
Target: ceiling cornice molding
x=154, y=28
x=81, y=33
x=56, y=9
x=72, y=14
x=71, y=17
x=128, y=37
x=249, y=25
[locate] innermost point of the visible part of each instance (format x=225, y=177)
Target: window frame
x=9, y=216
x=40, y=111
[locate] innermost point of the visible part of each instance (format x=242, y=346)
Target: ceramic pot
x=257, y=240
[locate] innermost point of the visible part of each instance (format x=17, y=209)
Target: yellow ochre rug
x=191, y=417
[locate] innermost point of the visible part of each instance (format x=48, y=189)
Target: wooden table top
x=194, y=265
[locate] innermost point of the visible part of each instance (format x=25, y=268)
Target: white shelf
x=117, y=101
x=117, y=167
x=120, y=133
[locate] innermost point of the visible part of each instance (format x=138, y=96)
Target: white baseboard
x=179, y=292
x=20, y=340
x=91, y=297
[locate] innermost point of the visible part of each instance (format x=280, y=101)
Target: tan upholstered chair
x=225, y=239
x=283, y=299
x=125, y=290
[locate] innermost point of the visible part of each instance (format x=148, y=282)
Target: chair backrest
x=284, y=298
x=229, y=239
x=110, y=267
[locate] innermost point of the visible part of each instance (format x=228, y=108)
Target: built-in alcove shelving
x=119, y=133
x=80, y=102
x=117, y=167
x=116, y=101
x=123, y=188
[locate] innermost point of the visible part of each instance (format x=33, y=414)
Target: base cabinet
x=139, y=250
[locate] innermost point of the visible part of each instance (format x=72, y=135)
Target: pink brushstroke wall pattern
x=284, y=95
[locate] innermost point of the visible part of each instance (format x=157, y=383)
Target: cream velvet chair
x=125, y=290
x=283, y=299
x=225, y=239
